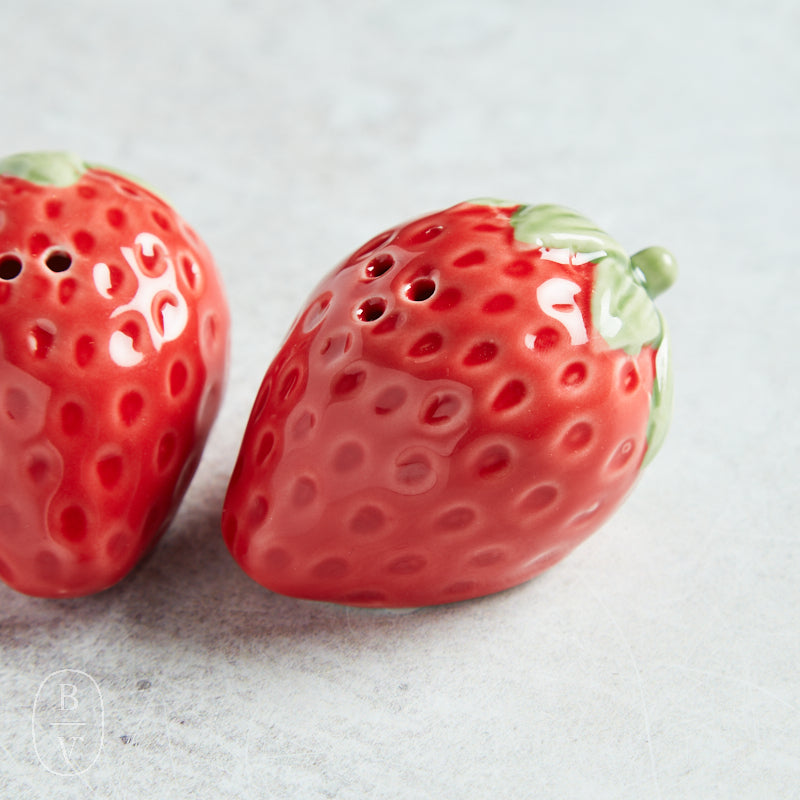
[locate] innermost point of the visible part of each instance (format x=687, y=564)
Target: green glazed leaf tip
x=49, y=168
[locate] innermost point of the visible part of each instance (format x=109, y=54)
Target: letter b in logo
x=68, y=722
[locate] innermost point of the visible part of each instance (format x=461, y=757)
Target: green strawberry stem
x=658, y=269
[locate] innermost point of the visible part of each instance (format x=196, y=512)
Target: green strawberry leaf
x=46, y=168
x=622, y=306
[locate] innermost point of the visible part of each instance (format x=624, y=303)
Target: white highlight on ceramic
x=102, y=279
x=565, y=255
x=155, y=295
x=662, y=363
x=556, y=297
x=609, y=325
x=122, y=351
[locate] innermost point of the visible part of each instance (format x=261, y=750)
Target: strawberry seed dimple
x=470, y=259
x=178, y=375
x=277, y=559
x=304, y=492
x=38, y=243
x=41, y=338
x=265, y=447
x=578, y=436
x=66, y=290
x=441, y=409
x=456, y=519
x=574, y=374
x=130, y=407
x=258, y=510
x=481, y=353
x=390, y=399
x=409, y=564
x=348, y=456
x=289, y=382
x=71, y=419
x=427, y=345
x=348, y=382
x=494, y=460
x=630, y=379
x=160, y=220
x=427, y=234
x=115, y=217
x=166, y=449
x=545, y=340
x=331, y=569
x=84, y=350
x=623, y=454
x=73, y=524
x=511, y=395
x=317, y=312
x=538, y=499
x=498, y=304
x=109, y=470
x=367, y=520
x=84, y=242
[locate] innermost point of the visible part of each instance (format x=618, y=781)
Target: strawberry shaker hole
x=10, y=267
x=420, y=289
x=379, y=265
x=371, y=309
x=58, y=261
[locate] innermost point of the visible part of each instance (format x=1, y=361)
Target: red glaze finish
x=429, y=432
x=113, y=351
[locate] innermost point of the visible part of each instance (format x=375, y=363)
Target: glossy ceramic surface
x=463, y=401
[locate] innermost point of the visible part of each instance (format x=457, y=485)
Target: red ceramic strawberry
x=113, y=349
x=464, y=400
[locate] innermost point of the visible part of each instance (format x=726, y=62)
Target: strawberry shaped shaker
x=113, y=351
x=464, y=400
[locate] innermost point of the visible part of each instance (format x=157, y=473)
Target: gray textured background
x=660, y=659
